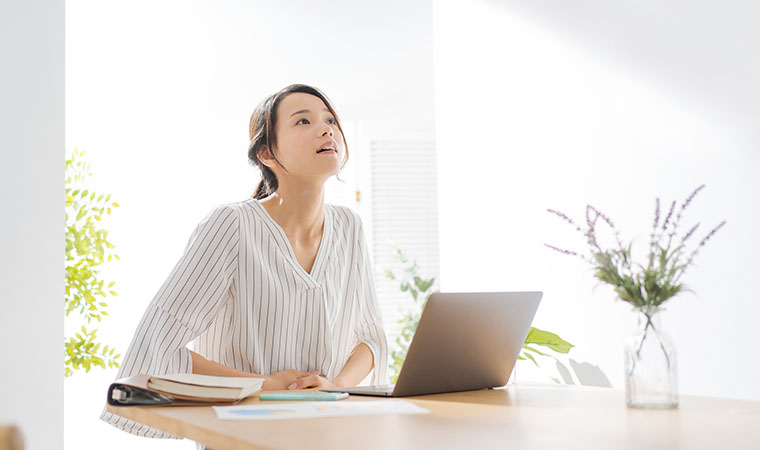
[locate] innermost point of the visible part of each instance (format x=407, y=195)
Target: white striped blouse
x=241, y=297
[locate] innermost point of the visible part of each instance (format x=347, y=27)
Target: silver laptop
x=464, y=341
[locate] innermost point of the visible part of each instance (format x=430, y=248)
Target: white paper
x=302, y=410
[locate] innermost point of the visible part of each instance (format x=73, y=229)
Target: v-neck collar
x=284, y=244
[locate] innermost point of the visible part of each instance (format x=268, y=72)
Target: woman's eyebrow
x=305, y=111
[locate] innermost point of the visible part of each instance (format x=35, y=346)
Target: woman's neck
x=299, y=210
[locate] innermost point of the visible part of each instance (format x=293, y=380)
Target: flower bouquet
x=651, y=373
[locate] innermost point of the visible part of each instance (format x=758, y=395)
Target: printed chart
x=303, y=410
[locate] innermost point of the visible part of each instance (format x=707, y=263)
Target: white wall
x=554, y=105
x=159, y=94
x=31, y=229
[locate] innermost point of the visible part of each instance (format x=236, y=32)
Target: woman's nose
x=328, y=130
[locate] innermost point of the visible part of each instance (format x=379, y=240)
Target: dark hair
x=261, y=131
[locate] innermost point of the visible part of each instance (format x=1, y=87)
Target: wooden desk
x=515, y=417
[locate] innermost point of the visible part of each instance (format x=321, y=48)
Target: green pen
x=306, y=396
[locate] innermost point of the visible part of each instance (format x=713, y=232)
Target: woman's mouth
x=328, y=146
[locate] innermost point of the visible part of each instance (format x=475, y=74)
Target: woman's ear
x=266, y=157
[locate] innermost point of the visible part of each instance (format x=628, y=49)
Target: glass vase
x=651, y=370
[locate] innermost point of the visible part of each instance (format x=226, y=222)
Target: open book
x=181, y=389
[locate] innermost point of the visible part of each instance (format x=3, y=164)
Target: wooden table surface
x=516, y=416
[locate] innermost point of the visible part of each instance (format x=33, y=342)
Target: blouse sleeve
x=369, y=326
x=186, y=304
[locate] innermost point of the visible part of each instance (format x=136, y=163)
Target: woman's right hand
x=279, y=381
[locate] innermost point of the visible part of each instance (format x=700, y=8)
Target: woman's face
x=304, y=127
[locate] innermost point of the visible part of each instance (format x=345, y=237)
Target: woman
x=278, y=286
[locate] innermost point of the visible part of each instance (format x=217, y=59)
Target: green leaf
x=530, y=357
x=85, y=245
x=423, y=285
x=534, y=350
x=548, y=339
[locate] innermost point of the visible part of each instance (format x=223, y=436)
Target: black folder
x=134, y=391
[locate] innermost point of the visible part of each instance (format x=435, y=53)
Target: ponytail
x=267, y=185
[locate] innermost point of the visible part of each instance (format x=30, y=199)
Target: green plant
x=420, y=289
x=87, y=248
x=644, y=286
x=545, y=339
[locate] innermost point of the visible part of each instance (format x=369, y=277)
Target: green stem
x=641, y=344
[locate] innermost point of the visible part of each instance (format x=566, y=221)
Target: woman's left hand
x=312, y=380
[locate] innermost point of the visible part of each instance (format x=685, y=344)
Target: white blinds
x=404, y=207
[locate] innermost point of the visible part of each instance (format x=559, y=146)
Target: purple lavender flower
x=648, y=286
x=670, y=214
x=688, y=235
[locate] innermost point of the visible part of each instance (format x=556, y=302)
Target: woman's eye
x=330, y=120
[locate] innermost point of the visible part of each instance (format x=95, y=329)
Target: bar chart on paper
x=316, y=409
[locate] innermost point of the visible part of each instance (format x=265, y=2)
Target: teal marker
x=306, y=396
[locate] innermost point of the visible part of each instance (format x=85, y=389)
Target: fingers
x=307, y=374
x=302, y=382
x=295, y=375
x=308, y=381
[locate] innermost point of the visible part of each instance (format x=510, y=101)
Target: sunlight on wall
x=533, y=115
